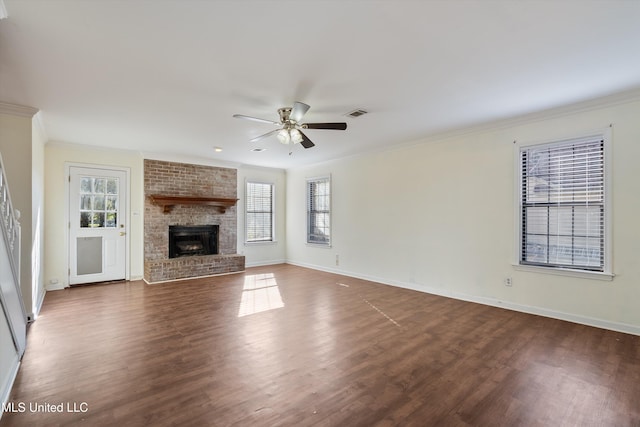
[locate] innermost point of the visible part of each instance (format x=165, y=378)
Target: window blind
x=259, y=207
x=319, y=211
x=563, y=205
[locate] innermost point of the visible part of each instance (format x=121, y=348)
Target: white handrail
x=11, y=234
x=10, y=224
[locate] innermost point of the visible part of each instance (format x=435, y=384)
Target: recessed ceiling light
x=258, y=150
x=217, y=149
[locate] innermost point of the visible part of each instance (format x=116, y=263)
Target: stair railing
x=10, y=226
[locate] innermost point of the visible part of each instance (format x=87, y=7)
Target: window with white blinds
x=319, y=211
x=259, y=212
x=562, y=206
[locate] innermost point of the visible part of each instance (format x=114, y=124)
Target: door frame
x=67, y=214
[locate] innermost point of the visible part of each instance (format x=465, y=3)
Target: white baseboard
x=34, y=316
x=182, y=279
x=60, y=286
x=540, y=311
x=57, y=287
x=263, y=263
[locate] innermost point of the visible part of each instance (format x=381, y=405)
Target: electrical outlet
x=508, y=281
x=337, y=260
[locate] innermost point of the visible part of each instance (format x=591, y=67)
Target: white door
x=97, y=228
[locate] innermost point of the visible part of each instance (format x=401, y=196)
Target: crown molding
x=17, y=110
x=632, y=95
x=612, y=100
x=189, y=159
x=88, y=147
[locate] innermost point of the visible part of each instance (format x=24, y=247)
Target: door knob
x=122, y=233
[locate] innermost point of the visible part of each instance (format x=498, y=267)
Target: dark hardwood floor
x=288, y=346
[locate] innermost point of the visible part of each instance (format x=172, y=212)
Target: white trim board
x=265, y=263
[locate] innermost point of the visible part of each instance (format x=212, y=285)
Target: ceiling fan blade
x=255, y=119
x=299, y=109
x=258, y=138
x=306, y=142
x=334, y=126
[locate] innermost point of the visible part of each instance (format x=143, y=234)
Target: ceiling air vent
x=357, y=113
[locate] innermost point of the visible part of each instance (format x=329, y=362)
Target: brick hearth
x=180, y=179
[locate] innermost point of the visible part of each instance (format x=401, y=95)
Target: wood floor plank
x=319, y=349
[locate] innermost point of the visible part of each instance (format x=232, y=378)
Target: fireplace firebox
x=192, y=240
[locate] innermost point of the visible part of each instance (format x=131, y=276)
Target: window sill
x=594, y=275
x=319, y=245
x=260, y=243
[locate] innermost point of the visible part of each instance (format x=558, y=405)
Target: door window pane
x=112, y=186
x=86, y=185
x=98, y=203
x=85, y=219
x=112, y=220
x=96, y=208
x=100, y=185
x=85, y=202
x=111, y=203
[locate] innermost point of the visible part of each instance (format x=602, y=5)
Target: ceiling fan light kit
x=287, y=136
x=291, y=130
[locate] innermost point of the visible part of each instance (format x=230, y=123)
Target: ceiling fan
x=291, y=130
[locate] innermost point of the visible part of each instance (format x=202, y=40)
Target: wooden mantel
x=168, y=202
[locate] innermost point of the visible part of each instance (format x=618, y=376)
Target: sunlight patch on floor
x=260, y=293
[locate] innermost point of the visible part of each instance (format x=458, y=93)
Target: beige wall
x=438, y=216
x=16, y=148
x=263, y=253
x=57, y=157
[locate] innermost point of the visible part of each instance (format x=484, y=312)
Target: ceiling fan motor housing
x=284, y=113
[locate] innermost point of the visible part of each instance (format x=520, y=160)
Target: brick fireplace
x=188, y=181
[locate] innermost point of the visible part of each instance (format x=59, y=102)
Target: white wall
x=56, y=250
x=263, y=253
x=38, y=138
x=438, y=216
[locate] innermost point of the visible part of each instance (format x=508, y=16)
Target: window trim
x=607, y=273
x=308, y=211
x=273, y=213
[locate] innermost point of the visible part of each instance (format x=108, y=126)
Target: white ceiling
x=167, y=76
